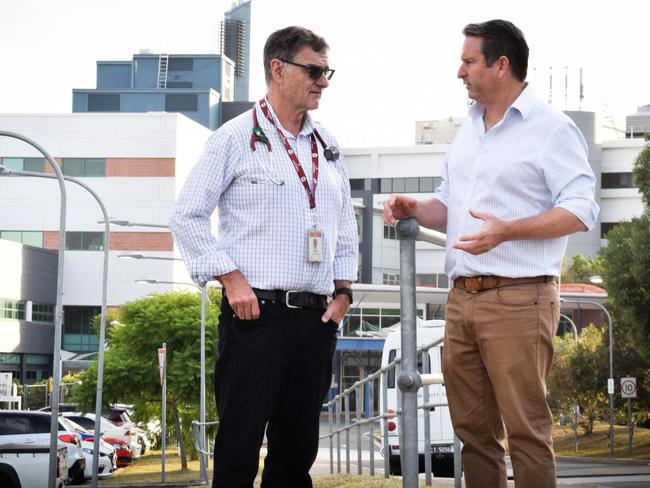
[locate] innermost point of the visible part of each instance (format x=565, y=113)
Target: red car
x=122, y=450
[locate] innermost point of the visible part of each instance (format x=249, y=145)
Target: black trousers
x=271, y=373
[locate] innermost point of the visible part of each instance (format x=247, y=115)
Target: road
x=575, y=473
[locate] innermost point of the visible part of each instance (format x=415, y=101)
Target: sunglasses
x=315, y=72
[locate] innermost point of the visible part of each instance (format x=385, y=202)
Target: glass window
x=73, y=167
x=411, y=185
x=443, y=281
x=93, y=241
x=386, y=185
x=37, y=359
x=437, y=180
x=11, y=235
x=95, y=167
x=617, y=180
x=13, y=163
x=43, y=312
x=84, y=241
x=398, y=185
x=357, y=183
x=34, y=164
x=73, y=241
x=9, y=358
x=12, y=309
x=31, y=238
x=14, y=424
x=426, y=185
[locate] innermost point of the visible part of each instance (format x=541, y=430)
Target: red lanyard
x=311, y=193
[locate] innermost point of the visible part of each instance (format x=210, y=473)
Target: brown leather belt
x=475, y=284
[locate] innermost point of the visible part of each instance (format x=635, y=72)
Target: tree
x=581, y=268
x=580, y=373
x=626, y=263
x=131, y=373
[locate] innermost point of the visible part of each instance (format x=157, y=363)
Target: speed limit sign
x=628, y=387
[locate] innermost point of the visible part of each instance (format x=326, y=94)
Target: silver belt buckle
x=286, y=299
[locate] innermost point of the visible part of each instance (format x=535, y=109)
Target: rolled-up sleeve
x=190, y=220
x=568, y=175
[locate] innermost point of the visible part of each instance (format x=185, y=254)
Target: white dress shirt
x=263, y=225
x=533, y=160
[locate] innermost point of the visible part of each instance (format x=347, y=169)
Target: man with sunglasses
x=287, y=242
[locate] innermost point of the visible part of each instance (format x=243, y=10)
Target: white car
x=107, y=428
x=33, y=428
x=107, y=461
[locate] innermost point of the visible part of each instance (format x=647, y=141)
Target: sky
x=395, y=62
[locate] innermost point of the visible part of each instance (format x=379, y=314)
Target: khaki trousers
x=497, y=357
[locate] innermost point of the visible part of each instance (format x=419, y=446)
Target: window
x=617, y=180
x=30, y=238
x=103, y=102
x=25, y=164
x=9, y=358
x=179, y=84
x=84, y=241
x=390, y=380
x=37, y=359
x=43, y=312
x=605, y=227
x=390, y=279
x=12, y=309
x=185, y=102
x=84, y=167
x=425, y=184
x=357, y=183
x=78, y=332
x=180, y=64
x=390, y=232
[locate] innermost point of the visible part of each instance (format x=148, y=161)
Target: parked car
x=119, y=437
x=105, y=461
x=120, y=415
x=27, y=465
x=27, y=427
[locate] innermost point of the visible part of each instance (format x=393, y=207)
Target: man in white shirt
x=287, y=241
x=515, y=183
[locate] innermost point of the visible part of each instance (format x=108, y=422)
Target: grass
x=597, y=444
x=147, y=468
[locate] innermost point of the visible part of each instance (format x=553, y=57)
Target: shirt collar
x=523, y=104
x=307, y=123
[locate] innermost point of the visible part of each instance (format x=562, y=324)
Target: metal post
x=574, y=329
x=58, y=310
x=338, y=435
x=629, y=425
x=164, y=414
x=457, y=463
x=202, y=456
x=384, y=420
x=329, y=422
x=347, y=432
x=408, y=380
x=371, y=433
x=427, y=422
x=358, y=417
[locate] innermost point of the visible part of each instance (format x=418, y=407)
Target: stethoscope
x=331, y=153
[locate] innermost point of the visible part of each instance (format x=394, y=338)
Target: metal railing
x=409, y=381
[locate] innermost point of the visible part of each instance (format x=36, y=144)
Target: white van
x=441, y=433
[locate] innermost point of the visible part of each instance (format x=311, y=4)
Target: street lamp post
x=610, y=380
x=204, y=295
x=58, y=309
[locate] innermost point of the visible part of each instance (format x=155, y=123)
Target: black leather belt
x=293, y=298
